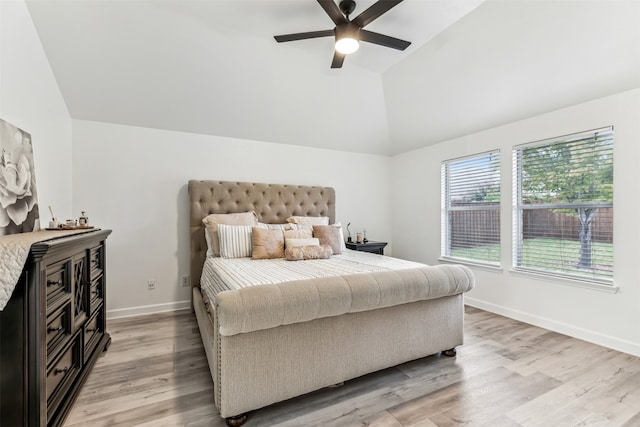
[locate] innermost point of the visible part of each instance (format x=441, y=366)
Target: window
x=563, y=206
x=471, y=208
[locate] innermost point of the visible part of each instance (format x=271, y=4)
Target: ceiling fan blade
x=382, y=40
x=374, y=12
x=338, y=59
x=303, y=36
x=333, y=11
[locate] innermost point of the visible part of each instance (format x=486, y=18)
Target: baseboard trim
x=624, y=346
x=148, y=309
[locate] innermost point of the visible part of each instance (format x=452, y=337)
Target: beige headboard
x=273, y=203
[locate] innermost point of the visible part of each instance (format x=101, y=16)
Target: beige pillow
x=302, y=242
x=303, y=233
x=309, y=220
x=298, y=253
x=267, y=243
x=329, y=235
x=211, y=227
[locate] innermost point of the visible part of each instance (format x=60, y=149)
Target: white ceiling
x=213, y=67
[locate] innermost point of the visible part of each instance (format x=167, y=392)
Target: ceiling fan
x=348, y=33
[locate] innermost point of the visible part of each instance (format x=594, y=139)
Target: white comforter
x=248, y=295
x=221, y=274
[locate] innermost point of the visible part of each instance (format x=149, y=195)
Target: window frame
x=518, y=209
x=447, y=208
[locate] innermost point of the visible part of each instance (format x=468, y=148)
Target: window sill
x=468, y=263
x=585, y=283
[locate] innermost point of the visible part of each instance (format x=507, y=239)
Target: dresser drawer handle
x=55, y=282
x=58, y=329
x=92, y=330
x=60, y=371
x=94, y=292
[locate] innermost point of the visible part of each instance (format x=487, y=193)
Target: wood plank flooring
x=506, y=374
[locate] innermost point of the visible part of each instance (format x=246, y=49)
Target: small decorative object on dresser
x=53, y=329
x=83, y=221
x=369, y=246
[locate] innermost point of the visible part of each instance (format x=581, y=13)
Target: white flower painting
x=18, y=197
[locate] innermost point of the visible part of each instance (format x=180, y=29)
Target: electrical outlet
x=151, y=284
x=184, y=281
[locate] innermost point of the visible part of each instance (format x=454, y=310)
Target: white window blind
x=471, y=208
x=563, y=211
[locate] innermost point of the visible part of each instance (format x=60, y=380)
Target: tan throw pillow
x=303, y=233
x=309, y=220
x=329, y=235
x=267, y=243
x=298, y=253
x=211, y=227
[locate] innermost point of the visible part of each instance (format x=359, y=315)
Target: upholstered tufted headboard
x=273, y=203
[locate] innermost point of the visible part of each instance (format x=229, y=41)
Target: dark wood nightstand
x=370, y=246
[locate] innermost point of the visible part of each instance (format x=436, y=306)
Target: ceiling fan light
x=347, y=38
x=347, y=45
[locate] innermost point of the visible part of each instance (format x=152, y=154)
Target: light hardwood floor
x=506, y=374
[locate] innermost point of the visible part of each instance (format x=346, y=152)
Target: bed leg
x=450, y=353
x=236, y=421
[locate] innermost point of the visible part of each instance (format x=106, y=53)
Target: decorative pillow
x=267, y=243
x=282, y=227
x=235, y=240
x=343, y=245
x=303, y=233
x=309, y=220
x=302, y=242
x=329, y=235
x=211, y=227
x=297, y=253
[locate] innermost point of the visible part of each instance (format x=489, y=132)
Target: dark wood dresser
x=52, y=330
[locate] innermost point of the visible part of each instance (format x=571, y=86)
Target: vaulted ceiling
x=213, y=67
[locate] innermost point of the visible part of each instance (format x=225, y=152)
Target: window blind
x=563, y=216
x=471, y=208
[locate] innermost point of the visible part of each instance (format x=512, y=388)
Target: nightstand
x=370, y=246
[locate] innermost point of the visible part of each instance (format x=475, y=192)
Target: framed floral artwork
x=19, y=211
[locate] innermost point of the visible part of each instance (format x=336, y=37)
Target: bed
x=272, y=342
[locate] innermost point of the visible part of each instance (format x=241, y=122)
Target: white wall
x=30, y=99
x=134, y=180
x=605, y=318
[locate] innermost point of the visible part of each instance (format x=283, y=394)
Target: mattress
x=222, y=274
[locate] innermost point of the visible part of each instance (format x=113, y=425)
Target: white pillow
x=343, y=245
x=309, y=220
x=283, y=227
x=235, y=240
x=302, y=242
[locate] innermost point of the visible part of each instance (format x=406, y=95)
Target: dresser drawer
x=93, y=331
x=96, y=260
x=58, y=281
x=58, y=328
x=62, y=372
x=96, y=293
